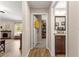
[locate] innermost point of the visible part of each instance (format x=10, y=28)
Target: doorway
x=39, y=30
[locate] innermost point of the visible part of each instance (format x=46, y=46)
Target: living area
x=10, y=28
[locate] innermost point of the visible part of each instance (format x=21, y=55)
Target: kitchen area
x=8, y=43
x=6, y=33
x=10, y=30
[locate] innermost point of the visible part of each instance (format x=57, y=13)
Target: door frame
x=32, y=30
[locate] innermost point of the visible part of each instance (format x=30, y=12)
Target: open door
x=39, y=31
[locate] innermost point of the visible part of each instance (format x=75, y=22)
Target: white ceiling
x=12, y=9
x=39, y=4
x=61, y=4
x=61, y=8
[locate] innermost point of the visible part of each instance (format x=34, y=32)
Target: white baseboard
x=49, y=51
x=27, y=53
x=52, y=55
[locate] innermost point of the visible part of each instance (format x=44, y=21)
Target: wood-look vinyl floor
x=39, y=52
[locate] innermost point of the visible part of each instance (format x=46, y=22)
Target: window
x=18, y=29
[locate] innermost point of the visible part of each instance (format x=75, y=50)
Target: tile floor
x=41, y=44
x=14, y=50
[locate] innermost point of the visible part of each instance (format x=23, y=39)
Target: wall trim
x=28, y=53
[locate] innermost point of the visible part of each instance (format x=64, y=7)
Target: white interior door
x=34, y=33
x=34, y=36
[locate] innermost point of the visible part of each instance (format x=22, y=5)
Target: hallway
x=44, y=34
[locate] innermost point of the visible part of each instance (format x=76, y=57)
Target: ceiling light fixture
x=2, y=11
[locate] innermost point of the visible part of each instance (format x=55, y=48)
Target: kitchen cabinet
x=59, y=44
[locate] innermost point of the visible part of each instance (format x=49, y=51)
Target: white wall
x=26, y=29
x=73, y=29
x=49, y=29
x=9, y=24
x=51, y=40
x=37, y=10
